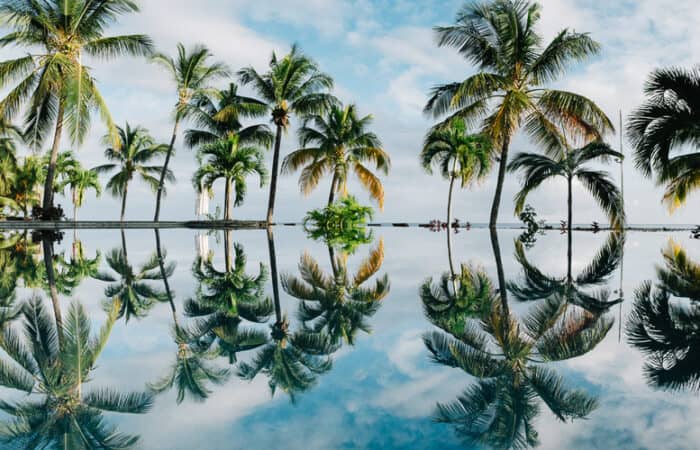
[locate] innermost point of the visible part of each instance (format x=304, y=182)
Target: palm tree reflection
x=665, y=323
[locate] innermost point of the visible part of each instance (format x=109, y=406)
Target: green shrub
x=342, y=225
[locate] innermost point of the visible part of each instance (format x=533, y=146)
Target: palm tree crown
x=292, y=85
x=53, y=84
x=664, y=133
x=508, y=91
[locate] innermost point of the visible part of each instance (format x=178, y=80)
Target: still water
x=182, y=342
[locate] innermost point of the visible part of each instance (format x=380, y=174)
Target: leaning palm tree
x=52, y=364
x=79, y=181
x=663, y=132
x=293, y=85
x=224, y=301
x=509, y=88
x=135, y=150
x=457, y=155
x=227, y=159
x=664, y=323
x=54, y=87
x=338, y=143
x=509, y=357
x=218, y=114
x=193, y=76
x=338, y=304
x=570, y=164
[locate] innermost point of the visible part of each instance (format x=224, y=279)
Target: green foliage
x=528, y=216
x=342, y=225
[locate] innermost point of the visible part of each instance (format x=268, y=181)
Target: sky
x=383, y=57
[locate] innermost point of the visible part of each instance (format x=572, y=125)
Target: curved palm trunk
x=166, y=283
x=75, y=205
x=334, y=183
x=227, y=201
x=126, y=189
x=126, y=259
x=331, y=255
x=227, y=250
x=499, y=269
x=51, y=171
x=273, y=179
x=273, y=275
x=502, y=167
x=53, y=292
x=161, y=183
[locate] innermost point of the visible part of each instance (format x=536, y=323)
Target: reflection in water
x=51, y=359
x=508, y=355
x=665, y=323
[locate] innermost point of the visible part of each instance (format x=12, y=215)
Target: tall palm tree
x=193, y=75
x=570, y=164
x=509, y=88
x=224, y=301
x=226, y=159
x=135, y=150
x=54, y=86
x=79, y=181
x=663, y=134
x=59, y=413
x=293, y=85
x=218, y=114
x=338, y=304
x=664, y=321
x=457, y=155
x=130, y=287
x=338, y=143
x=509, y=357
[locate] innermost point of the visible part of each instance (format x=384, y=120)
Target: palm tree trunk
x=75, y=205
x=449, y=195
x=227, y=201
x=502, y=167
x=569, y=227
x=499, y=269
x=161, y=264
x=273, y=179
x=126, y=189
x=273, y=275
x=227, y=250
x=331, y=196
x=449, y=227
x=124, y=245
x=161, y=183
x=53, y=292
x=51, y=171
x=331, y=255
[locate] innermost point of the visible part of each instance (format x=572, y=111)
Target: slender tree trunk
x=453, y=176
x=334, y=183
x=227, y=250
x=126, y=259
x=502, y=288
x=569, y=227
x=161, y=183
x=273, y=275
x=51, y=171
x=453, y=274
x=502, y=167
x=75, y=205
x=163, y=274
x=449, y=226
x=331, y=255
x=273, y=179
x=53, y=292
x=227, y=201
x=126, y=189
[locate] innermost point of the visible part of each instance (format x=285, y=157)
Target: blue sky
x=383, y=58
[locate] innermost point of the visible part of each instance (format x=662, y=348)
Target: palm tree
x=130, y=287
x=337, y=304
x=338, y=143
x=79, y=266
x=664, y=321
x=224, y=301
x=54, y=86
x=536, y=285
x=25, y=192
x=226, y=159
x=570, y=164
x=509, y=357
x=217, y=115
x=293, y=85
x=136, y=149
x=457, y=155
x=80, y=181
x=9, y=136
x=663, y=134
x=193, y=76
x=508, y=90
x=53, y=363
